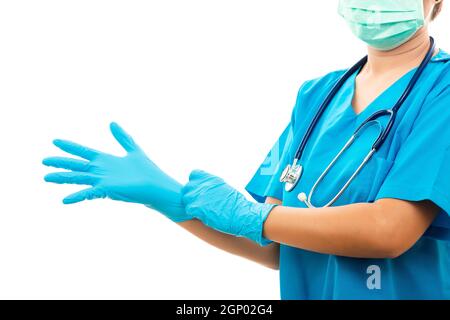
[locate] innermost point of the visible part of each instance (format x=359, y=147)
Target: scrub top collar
x=442, y=56
x=385, y=98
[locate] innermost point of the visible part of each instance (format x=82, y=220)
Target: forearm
x=366, y=230
x=384, y=229
x=267, y=256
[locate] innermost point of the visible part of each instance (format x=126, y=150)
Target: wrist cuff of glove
x=180, y=220
x=266, y=209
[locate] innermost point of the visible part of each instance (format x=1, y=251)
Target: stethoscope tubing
x=340, y=83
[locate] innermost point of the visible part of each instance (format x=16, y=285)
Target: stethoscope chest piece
x=291, y=176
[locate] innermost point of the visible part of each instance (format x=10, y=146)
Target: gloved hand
x=219, y=206
x=133, y=178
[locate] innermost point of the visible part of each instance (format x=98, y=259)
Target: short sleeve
x=421, y=170
x=266, y=181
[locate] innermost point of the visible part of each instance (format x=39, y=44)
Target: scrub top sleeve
x=421, y=170
x=266, y=181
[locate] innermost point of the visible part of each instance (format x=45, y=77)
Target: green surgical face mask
x=383, y=24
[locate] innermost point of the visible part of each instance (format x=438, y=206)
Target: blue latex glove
x=133, y=178
x=219, y=206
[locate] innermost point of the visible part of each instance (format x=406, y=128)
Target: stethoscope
x=292, y=173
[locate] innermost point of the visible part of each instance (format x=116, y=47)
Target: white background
x=200, y=84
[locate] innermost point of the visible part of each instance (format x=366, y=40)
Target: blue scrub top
x=413, y=164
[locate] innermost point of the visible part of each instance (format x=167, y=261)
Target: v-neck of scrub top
x=341, y=116
x=382, y=100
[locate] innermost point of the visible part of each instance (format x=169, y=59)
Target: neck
x=407, y=56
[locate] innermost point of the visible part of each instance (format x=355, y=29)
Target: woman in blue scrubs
x=388, y=234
